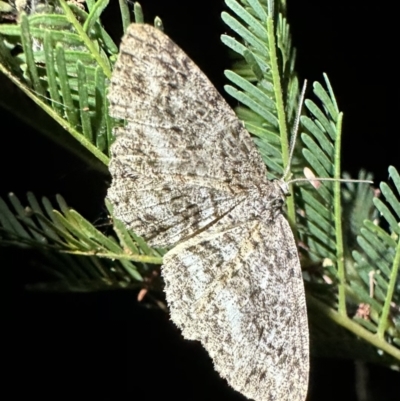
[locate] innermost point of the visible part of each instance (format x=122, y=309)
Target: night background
x=107, y=344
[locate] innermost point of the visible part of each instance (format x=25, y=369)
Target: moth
x=186, y=173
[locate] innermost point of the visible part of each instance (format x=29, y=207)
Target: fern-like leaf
x=64, y=237
x=264, y=78
x=377, y=264
x=65, y=61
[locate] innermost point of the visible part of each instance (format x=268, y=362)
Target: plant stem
x=338, y=220
x=86, y=40
x=354, y=327
x=280, y=108
x=389, y=295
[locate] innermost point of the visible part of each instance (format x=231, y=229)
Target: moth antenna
x=310, y=178
x=295, y=130
x=329, y=179
x=293, y=143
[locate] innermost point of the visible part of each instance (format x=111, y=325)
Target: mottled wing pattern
x=240, y=292
x=166, y=154
x=186, y=171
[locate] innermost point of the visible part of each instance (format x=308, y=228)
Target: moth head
x=283, y=187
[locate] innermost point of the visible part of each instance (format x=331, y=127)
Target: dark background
x=105, y=344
